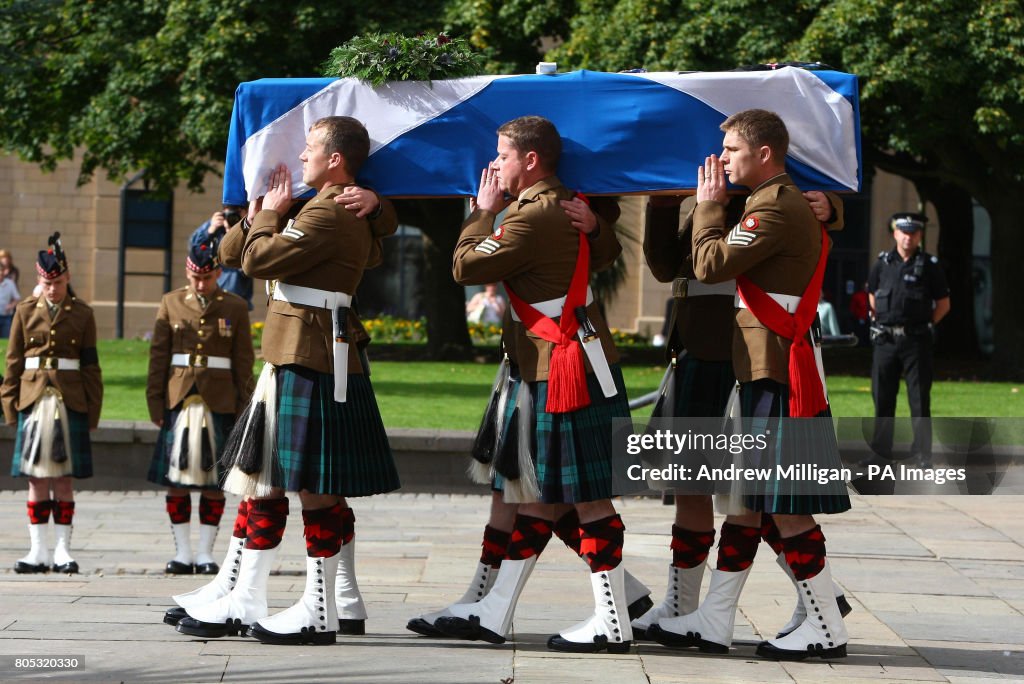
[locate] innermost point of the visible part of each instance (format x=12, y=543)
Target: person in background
x=827, y=315
x=486, y=306
x=231, y=280
x=7, y=264
x=54, y=392
x=9, y=298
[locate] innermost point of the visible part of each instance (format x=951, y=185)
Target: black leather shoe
x=421, y=626
x=207, y=568
x=70, y=568
x=211, y=630
x=352, y=627
x=178, y=568
x=23, y=568
x=688, y=640
x=307, y=635
x=174, y=615
x=766, y=650
x=639, y=607
x=460, y=628
x=600, y=643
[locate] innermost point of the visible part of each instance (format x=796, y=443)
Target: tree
x=942, y=95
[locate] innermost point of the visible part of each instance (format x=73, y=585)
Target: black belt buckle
x=880, y=334
x=680, y=287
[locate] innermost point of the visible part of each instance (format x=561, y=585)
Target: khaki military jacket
x=324, y=247
x=534, y=252
x=184, y=326
x=703, y=326
x=776, y=244
x=71, y=334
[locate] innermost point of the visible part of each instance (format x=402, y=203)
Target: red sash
x=567, y=376
x=806, y=395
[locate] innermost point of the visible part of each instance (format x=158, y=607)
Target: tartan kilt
x=161, y=461
x=765, y=401
x=572, y=452
x=702, y=388
x=326, y=447
x=80, y=448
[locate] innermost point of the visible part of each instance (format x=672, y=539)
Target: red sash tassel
x=567, y=374
x=806, y=395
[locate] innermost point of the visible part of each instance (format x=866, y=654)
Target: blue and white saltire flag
x=622, y=133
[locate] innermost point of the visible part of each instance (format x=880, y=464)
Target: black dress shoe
x=421, y=626
x=211, y=630
x=174, y=615
x=307, y=635
x=767, y=650
x=600, y=643
x=23, y=568
x=688, y=640
x=69, y=568
x=639, y=607
x=461, y=628
x=207, y=568
x=178, y=568
x=351, y=627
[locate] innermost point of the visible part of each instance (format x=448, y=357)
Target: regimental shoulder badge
x=498, y=232
x=290, y=231
x=744, y=232
x=488, y=246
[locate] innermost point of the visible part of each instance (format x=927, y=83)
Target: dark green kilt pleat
x=161, y=461
x=702, y=388
x=80, y=447
x=811, y=441
x=573, y=451
x=326, y=447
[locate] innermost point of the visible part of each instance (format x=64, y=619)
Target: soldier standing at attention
x=54, y=391
x=200, y=378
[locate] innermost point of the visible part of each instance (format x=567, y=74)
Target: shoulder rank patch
x=742, y=234
x=498, y=232
x=290, y=231
x=488, y=246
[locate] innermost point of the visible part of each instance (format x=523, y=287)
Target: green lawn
x=452, y=395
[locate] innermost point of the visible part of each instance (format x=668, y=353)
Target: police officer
x=908, y=296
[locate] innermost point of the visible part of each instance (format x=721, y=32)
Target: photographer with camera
x=231, y=279
x=908, y=295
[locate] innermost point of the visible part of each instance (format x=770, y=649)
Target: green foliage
x=380, y=57
x=509, y=33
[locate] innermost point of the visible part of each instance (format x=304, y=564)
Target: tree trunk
x=958, y=336
x=444, y=300
x=1006, y=211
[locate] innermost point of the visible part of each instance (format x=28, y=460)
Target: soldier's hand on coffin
x=711, y=181
x=279, y=194
x=583, y=219
x=822, y=208
x=360, y=200
x=490, y=197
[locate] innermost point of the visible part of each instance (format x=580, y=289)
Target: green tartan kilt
x=702, y=388
x=572, y=452
x=161, y=461
x=80, y=448
x=766, y=401
x=326, y=447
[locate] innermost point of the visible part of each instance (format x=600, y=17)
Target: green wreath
x=380, y=57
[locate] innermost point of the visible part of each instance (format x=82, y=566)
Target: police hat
x=52, y=262
x=907, y=222
x=202, y=257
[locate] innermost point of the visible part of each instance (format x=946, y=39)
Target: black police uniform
x=902, y=336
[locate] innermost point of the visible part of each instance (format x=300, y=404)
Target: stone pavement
x=937, y=586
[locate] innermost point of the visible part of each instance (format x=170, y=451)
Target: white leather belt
x=323, y=299
x=201, y=361
x=51, y=363
x=787, y=302
x=552, y=308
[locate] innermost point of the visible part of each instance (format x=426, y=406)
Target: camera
x=231, y=216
